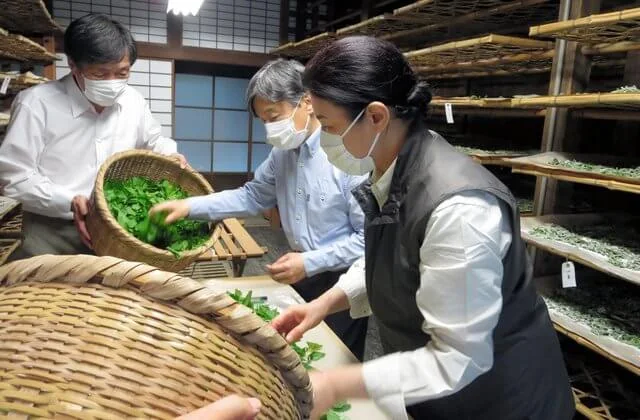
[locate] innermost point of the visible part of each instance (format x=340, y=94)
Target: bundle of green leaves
x=130, y=201
x=308, y=352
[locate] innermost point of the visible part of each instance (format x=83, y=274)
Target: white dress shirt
x=459, y=297
x=56, y=142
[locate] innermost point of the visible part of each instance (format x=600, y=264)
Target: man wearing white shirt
x=61, y=132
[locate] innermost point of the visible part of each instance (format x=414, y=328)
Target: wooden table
x=235, y=244
x=337, y=354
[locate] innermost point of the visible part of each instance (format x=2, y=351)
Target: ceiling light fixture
x=184, y=7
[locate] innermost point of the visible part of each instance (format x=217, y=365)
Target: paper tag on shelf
x=448, y=111
x=568, y=274
x=5, y=86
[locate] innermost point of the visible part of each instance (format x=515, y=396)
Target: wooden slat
x=231, y=246
x=248, y=244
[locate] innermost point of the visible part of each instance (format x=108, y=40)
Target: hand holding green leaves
x=130, y=201
x=174, y=210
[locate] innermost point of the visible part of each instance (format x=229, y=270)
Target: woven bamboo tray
x=538, y=165
x=487, y=47
x=19, y=48
x=438, y=17
x=29, y=17
x=22, y=81
x=588, y=258
x=99, y=337
x=109, y=238
x=489, y=157
x=624, y=355
x=623, y=25
x=306, y=47
x=8, y=247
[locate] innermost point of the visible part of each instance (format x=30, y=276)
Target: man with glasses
x=61, y=132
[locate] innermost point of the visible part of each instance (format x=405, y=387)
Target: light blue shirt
x=319, y=215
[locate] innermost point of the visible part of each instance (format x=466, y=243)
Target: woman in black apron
x=445, y=270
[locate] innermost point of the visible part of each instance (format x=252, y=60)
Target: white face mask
x=283, y=134
x=104, y=92
x=339, y=156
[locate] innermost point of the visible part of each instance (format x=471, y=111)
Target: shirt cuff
x=315, y=262
x=199, y=207
x=384, y=385
x=352, y=283
x=166, y=146
x=61, y=203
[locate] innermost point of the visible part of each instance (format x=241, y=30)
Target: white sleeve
x=20, y=176
x=353, y=284
x=460, y=298
x=152, y=137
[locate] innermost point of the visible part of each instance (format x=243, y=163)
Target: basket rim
x=168, y=287
x=102, y=206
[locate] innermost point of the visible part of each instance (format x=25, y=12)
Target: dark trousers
x=352, y=332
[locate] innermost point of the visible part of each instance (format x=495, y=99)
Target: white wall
x=146, y=19
x=153, y=79
x=239, y=25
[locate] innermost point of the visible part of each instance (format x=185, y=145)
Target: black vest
x=528, y=379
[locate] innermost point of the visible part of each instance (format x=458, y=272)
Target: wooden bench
x=234, y=244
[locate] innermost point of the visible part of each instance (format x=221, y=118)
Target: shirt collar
x=312, y=145
x=380, y=185
x=79, y=103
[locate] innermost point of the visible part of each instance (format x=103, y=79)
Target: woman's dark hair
x=355, y=71
x=98, y=39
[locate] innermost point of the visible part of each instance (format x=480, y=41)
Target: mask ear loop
x=294, y=112
x=353, y=123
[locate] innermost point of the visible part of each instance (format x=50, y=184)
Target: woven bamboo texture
x=629, y=101
x=599, y=392
x=306, y=47
x=538, y=165
x=8, y=247
x=19, y=48
x=109, y=238
x=612, y=27
x=438, y=17
x=483, y=48
x=7, y=206
x=27, y=17
x=488, y=73
x=509, y=63
x=431, y=20
x=590, y=259
x=380, y=25
x=98, y=337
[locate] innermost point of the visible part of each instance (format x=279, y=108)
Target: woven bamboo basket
x=102, y=338
x=109, y=238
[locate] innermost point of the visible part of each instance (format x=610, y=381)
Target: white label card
x=448, y=111
x=568, y=275
x=5, y=86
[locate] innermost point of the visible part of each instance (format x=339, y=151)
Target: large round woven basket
x=109, y=238
x=98, y=337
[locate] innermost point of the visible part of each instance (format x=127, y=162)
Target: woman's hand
x=324, y=394
x=175, y=210
x=229, y=408
x=298, y=319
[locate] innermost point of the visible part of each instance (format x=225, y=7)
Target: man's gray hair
x=278, y=80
